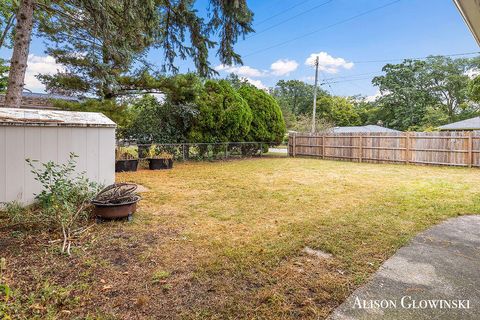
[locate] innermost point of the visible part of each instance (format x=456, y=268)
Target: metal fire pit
x=116, y=201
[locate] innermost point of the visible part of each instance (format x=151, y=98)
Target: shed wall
x=95, y=147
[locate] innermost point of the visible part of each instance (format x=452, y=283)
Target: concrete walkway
x=436, y=276
x=277, y=150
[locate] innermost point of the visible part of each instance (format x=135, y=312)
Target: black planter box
x=160, y=164
x=126, y=165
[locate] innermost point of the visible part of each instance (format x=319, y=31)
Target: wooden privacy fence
x=454, y=148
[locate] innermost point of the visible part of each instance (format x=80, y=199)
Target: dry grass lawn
x=224, y=240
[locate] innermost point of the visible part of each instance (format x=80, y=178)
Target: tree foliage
x=338, y=110
x=474, y=89
x=212, y=111
x=100, y=50
x=267, y=120
x=423, y=94
x=117, y=112
x=153, y=121
x=295, y=98
x=7, y=21
x=223, y=115
x=3, y=75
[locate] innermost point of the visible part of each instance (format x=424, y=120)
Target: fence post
x=226, y=150
x=294, y=143
x=261, y=149
x=470, y=149
x=407, y=148
x=183, y=151
x=323, y=145
x=360, y=154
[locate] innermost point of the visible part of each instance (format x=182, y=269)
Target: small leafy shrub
x=155, y=152
x=64, y=202
x=126, y=153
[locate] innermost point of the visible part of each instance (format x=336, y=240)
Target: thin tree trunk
x=21, y=46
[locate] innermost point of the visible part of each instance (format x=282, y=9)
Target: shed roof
x=53, y=118
x=368, y=128
x=468, y=124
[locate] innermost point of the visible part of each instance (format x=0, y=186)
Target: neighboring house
x=32, y=100
x=362, y=129
x=464, y=125
x=470, y=10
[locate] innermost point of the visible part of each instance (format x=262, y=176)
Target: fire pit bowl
x=116, y=201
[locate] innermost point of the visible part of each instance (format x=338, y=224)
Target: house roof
x=368, y=128
x=53, y=118
x=49, y=96
x=469, y=124
x=470, y=11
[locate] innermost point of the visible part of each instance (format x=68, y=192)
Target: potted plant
x=126, y=159
x=158, y=160
x=118, y=200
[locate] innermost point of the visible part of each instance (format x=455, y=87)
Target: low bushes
x=217, y=112
x=63, y=205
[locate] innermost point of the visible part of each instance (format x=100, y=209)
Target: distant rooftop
x=468, y=124
x=31, y=100
x=52, y=118
x=357, y=129
x=49, y=96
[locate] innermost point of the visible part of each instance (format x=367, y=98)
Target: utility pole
x=315, y=95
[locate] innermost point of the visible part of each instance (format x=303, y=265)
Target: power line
x=346, y=80
x=281, y=12
x=324, y=28
x=354, y=76
x=291, y=18
x=419, y=58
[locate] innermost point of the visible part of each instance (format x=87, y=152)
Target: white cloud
x=328, y=63
x=256, y=83
x=283, y=67
x=39, y=65
x=245, y=71
x=280, y=67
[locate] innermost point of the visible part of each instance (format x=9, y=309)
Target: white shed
x=46, y=135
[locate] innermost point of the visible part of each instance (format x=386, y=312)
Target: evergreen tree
x=99, y=41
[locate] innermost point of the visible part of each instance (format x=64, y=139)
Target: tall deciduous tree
x=449, y=83
x=405, y=94
x=295, y=98
x=421, y=94
x=338, y=110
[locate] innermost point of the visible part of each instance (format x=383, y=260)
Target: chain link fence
x=196, y=151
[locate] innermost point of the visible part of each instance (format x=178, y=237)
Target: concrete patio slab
x=436, y=276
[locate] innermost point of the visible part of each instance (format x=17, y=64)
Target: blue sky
x=407, y=28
